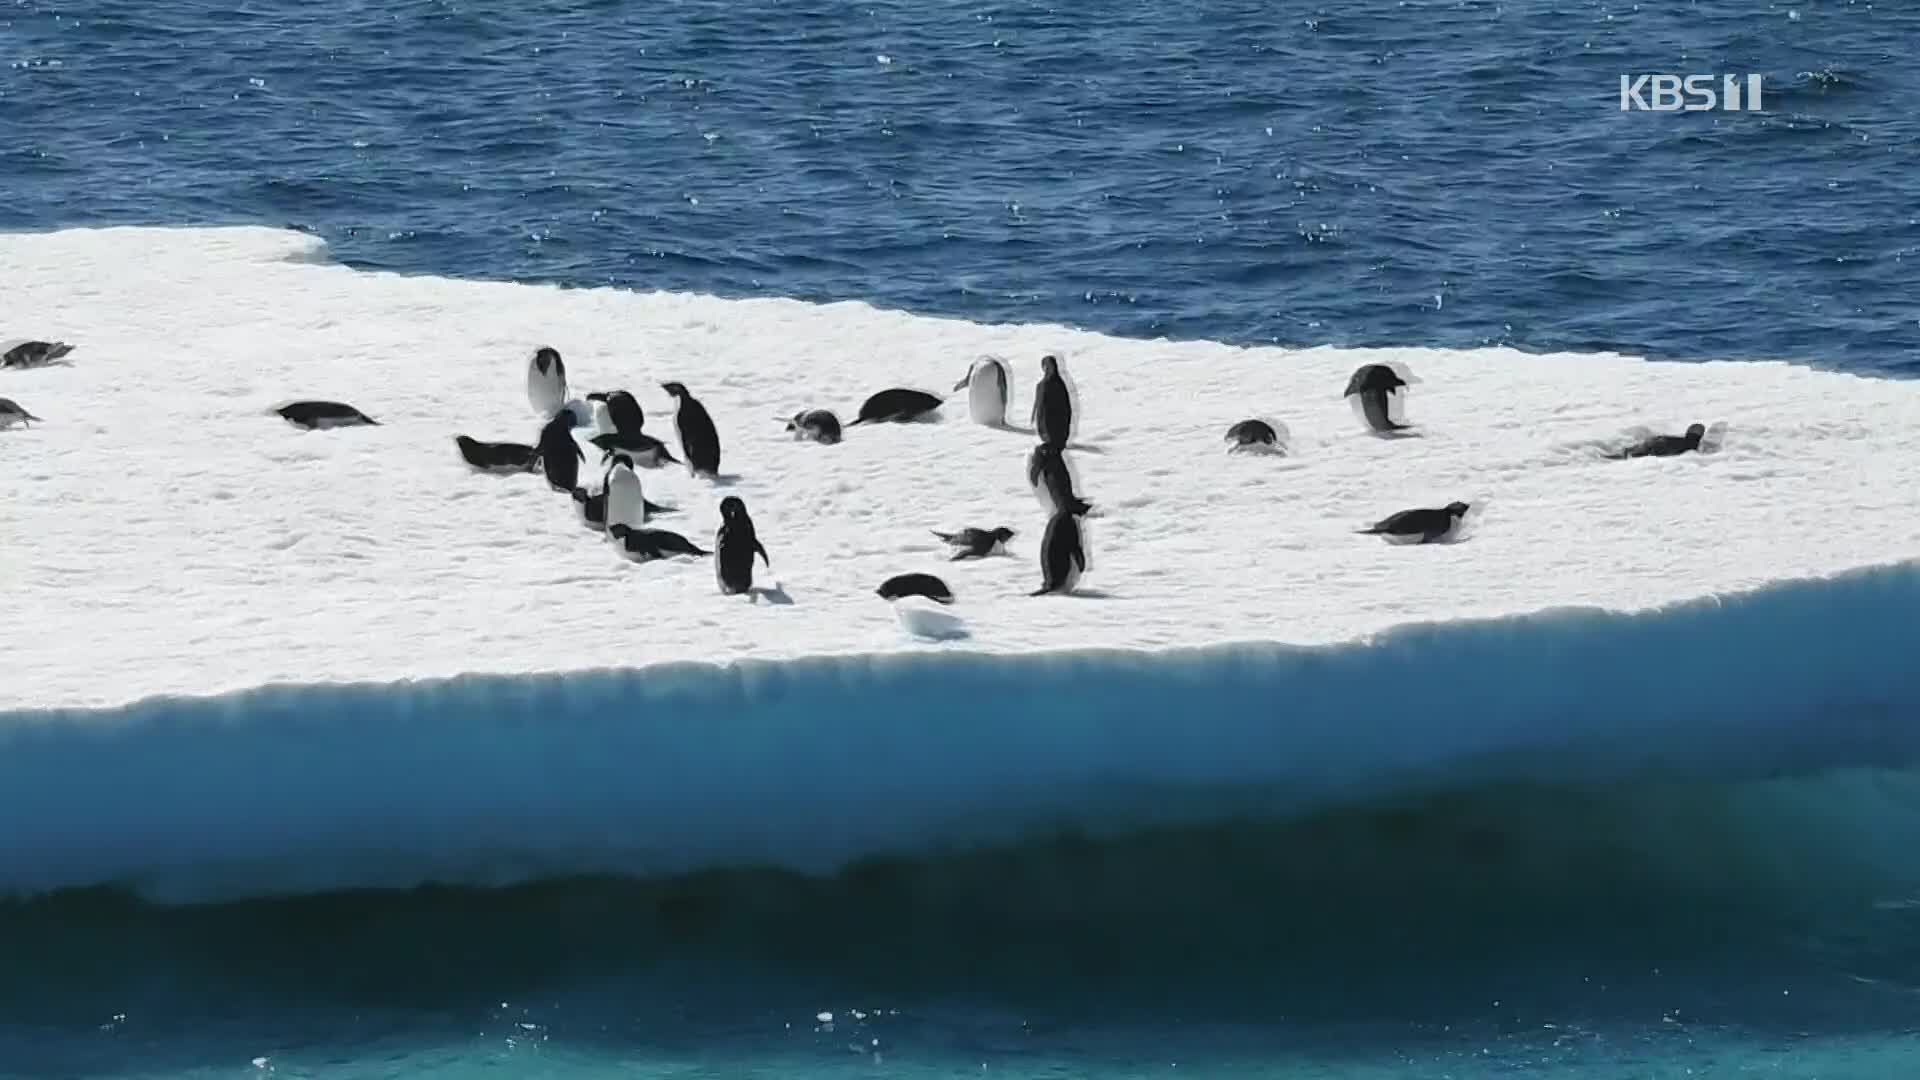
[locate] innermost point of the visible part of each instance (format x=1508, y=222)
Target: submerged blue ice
x=807, y=765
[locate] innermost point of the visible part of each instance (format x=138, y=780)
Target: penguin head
x=1050, y=364
x=1457, y=509
x=1696, y=432
x=732, y=508
x=1003, y=534
x=619, y=460
x=674, y=389
x=546, y=358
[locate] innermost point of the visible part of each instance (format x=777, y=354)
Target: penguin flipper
x=1041, y=591
x=656, y=508
x=764, y=557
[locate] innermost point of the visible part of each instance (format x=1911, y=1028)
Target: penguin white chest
x=987, y=397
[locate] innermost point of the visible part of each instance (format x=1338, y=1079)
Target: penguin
x=1063, y=554
x=560, y=456
x=1423, y=526
x=1375, y=390
x=546, y=381
x=623, y=422
x=646, y=451
x=1664, y=445
x=593, y=504
x=1256, y=436
x=646, y=545
x=623, y=411
x=698, y=439
x=816, y=425
x=499, y=458
x=320, y=415
x=898, y=405
x=1052, y=404
x=33, y=354
x=12, y=412
x=973, y=543
x=915, y=585
x=625, y=503
x=986, y=386
x=1052, y=480
x=734, y=547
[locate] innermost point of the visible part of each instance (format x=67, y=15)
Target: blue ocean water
x=1436, y=174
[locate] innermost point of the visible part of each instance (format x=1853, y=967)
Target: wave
x=810, y=766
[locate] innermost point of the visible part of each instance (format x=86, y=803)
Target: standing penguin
x=986, y=386
x=1052, y=480
x=698, y=439
x=1063, y=554
x=626, y=502
x=560, y=456
x=546, y=381
x=734, y=547
x=1052, y=404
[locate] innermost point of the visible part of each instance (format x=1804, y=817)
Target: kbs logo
x=1689, y=93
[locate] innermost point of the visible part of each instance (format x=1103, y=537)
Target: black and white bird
x=972, y=543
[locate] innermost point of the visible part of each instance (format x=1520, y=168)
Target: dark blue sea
x=1443, y=174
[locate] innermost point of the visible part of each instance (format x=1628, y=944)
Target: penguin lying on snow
x=1424, y=526
x=898, y=406
x=1257, y=436
x=12, y=412
x=903, y=585
x=973, y=543
x=646, y=545
x=498, y=458
x=815, y=425
x=33, y=354
x=320, y=415
x=1699, y=437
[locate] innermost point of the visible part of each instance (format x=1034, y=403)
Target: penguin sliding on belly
x=1422, y=526
x=734, y=547
x=986, y=385
x=646, y=545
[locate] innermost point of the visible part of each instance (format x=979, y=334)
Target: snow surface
x=166, y=546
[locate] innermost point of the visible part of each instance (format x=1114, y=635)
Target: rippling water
x=1442, y=174
x=1451, y=174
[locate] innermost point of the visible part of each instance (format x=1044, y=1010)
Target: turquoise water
x=1449, y=174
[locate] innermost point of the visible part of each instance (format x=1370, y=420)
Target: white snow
x=160, y=529
x=164, y=543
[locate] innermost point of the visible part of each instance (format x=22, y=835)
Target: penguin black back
x=898, y=405
x=1052, y=480
x=1052, y=405
x=699, y=440
x=317, y=415
x=560, y=456
x=734, y=547
x=1063, y=554
x=915, y=585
